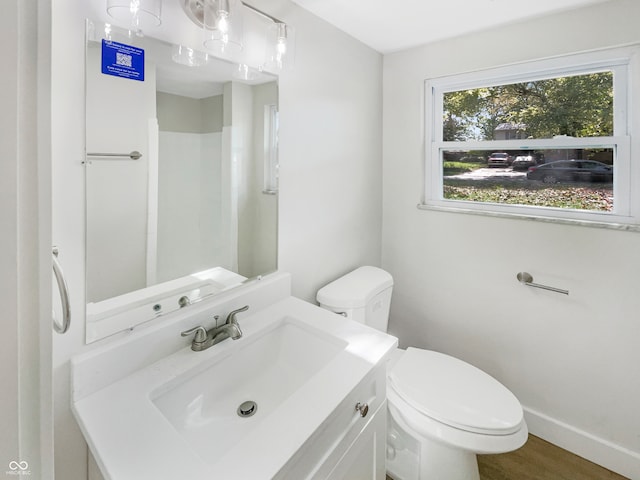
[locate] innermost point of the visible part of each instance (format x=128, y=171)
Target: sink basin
x=266, y=370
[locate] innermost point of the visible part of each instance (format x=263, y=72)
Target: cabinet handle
x=363, y=408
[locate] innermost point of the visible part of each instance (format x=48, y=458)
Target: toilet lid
x=455, y=393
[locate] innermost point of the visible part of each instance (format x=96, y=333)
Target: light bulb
x=223, y=24
x=282, y=46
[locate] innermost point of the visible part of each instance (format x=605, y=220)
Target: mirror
x=181, y=177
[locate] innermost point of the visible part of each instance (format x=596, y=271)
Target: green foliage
x=577, y=106
x=456, y=168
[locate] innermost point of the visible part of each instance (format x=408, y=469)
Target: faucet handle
x=200, y=331
x=231, y=318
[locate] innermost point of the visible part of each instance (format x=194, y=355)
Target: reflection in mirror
x=195, y=214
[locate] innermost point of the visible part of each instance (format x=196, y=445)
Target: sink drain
x=248, y=408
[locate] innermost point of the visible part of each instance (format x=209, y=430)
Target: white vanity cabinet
x=365, y=458
x=150, y=411
x=348, y=446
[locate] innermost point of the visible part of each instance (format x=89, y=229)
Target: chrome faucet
x=204, y=338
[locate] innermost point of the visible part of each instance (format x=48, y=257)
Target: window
x=270, y=185
x=546, y=139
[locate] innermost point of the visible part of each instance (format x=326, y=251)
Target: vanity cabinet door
x=365, y=459
x=348, y=445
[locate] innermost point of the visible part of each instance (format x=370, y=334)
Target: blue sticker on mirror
x=122, y=60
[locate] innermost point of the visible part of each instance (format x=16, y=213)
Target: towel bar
x=64, y=295
x=526, y=279
x=134, y=155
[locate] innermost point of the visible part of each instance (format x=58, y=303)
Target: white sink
x=175, y=415
x=266, y=369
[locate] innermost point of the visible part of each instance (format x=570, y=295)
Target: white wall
x=242, y=164
x=189, y=213
x=68, y=127
x=264, y=211
x=330, y=197
x=25, y=265
x=190, y=238
x=257, y=212
x=572, y=361
x=117, y=188
x=330, y=155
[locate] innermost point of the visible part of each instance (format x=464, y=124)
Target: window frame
x=270, y=150
x=623, y=62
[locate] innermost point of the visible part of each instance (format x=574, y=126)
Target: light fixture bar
x=260, y=12
x=195, y=11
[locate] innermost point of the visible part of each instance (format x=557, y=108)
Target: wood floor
x=540, y=460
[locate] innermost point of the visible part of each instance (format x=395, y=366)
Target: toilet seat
x=455, y=393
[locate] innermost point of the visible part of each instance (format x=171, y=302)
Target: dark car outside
x=571, y=171
x=499, y=159
x=523, y=162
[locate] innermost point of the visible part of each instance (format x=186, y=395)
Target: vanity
x=301, y=394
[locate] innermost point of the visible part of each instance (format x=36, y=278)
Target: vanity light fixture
x=221, y=21
x=280, y=46
x=223, y=26
x=138, y=14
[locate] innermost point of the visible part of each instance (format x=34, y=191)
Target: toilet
x=442, y=411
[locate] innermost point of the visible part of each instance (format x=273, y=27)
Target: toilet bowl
x=441, y=411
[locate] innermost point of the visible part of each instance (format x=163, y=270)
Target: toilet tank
x=363, y=295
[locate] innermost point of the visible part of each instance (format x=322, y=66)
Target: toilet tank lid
x=355, y=289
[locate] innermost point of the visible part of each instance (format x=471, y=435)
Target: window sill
x=534, y=218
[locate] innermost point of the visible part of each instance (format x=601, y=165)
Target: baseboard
x=586, y=445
